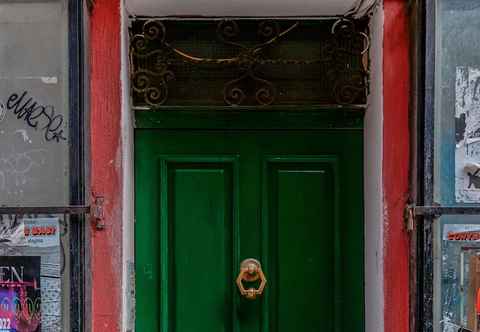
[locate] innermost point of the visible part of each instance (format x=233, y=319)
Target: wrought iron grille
x=246, y=62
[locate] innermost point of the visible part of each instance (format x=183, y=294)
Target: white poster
x=467, y=135
x=32, y=232
x=41, y=232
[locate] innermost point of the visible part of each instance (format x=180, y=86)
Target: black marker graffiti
x=37, y=116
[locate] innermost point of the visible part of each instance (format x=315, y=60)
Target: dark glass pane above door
x=242, y=62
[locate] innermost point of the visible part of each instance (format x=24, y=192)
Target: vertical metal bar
x=417, y=29
x=428, y=168
x=462, y=286
x=429, y=101
x=77, y=172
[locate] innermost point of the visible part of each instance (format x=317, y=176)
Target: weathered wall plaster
x=128, y=194
x=239, y=7
x=373, y=142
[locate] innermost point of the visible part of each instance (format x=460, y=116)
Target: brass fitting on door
x=250, y=271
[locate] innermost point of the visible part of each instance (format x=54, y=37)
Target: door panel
x=199, y=198
x=302, y=237
x=205, y=200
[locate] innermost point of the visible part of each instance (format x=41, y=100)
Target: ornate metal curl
x=248, y=60
x=345, y=30
x=152, y=82
x=234, y=95
x=264, y=90
x=349, y=83
x=227, y=31
x=348, y=86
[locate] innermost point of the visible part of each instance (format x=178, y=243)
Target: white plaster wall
x=247, y=8
x=128, y=193
x=373, y=142
x=239, y=7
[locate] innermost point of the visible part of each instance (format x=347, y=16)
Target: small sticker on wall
x=467, y=135
x=41, y=232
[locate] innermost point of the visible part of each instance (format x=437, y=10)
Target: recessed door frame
x=123, y=203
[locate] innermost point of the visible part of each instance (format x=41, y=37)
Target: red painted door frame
x=106, y=169
x=396, y=152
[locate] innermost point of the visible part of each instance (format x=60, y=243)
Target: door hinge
x=412, y=211
x=409, y=217
x=97, y=212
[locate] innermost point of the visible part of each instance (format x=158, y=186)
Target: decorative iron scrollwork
x=154, y=94
x=249, y=59
x=348, y=83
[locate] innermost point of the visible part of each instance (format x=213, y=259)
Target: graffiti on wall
x=37, y=116
x=33, y=146
x=17, y=169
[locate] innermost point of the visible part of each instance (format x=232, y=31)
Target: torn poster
x=32, y=232
x=20, y=295
x=467, y=135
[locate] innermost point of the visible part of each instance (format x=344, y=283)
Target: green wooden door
x=206, y=200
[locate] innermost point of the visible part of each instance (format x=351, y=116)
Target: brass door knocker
x=250, y=271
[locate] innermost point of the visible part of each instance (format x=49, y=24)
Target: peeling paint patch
x=24, y=134
x=3, y=112
x=49, y=79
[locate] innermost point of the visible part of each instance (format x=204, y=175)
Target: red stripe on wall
x=105, y=90
x=396, y=87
